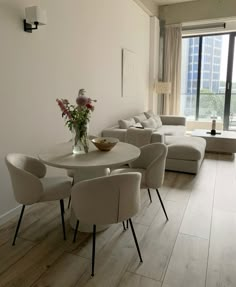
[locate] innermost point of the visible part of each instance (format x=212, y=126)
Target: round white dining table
x=93, y=164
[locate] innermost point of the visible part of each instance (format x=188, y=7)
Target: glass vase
x=80, y=142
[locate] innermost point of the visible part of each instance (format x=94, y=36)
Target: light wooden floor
x=196, y=248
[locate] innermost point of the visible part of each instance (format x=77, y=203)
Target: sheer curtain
x=172, y=68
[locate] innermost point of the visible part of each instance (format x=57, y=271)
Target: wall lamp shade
x=34, y=16
x=163, y=87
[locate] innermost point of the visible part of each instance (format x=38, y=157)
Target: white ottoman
x=185, y=154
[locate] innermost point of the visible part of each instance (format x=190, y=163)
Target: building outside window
x=208, y=82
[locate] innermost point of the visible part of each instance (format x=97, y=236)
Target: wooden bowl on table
x=105, y=143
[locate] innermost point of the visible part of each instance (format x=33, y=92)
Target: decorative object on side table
x=213, y=129
x=105, y=143
x=77, y=119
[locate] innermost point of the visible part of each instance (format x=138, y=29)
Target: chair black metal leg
x=62, y=218
x=76, y=230
x=127, y=224
x=70, y=195
x=163, y=207
x=149, y=193
x=94, y=247
x=124, y=225
x=18, y=224
x=68, y=206
x=135, y=240
x=63, y=206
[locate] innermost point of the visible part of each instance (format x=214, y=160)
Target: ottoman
x=185, y=154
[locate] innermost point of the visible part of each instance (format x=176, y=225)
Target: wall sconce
x=34, y=16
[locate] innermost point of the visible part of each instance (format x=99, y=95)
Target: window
x=190, y=50
x=203, y=81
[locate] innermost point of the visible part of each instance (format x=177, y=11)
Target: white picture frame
x=129, y=79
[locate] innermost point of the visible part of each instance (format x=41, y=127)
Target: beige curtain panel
x=172, y=68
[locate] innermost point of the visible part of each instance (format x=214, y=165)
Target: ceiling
x=169, y=2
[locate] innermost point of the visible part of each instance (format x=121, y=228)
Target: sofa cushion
x=139, y=118
x=149, y=123
x=170, y=130
x=157, y=118
x=185, y=148
x=125, y=124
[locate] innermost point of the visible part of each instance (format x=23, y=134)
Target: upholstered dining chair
x=151, y=164
x=107, y=200
x=31, y=186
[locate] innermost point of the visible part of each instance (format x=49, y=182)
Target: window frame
x=229, y=72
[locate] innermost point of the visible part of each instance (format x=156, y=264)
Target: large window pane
x=213, y=77
x=232, y=117
x=189, y=75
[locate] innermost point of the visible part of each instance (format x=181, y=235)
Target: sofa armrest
x=173, y=120
x=157, y=138
x=115, y=133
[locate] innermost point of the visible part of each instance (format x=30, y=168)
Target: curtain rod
x=204, y=26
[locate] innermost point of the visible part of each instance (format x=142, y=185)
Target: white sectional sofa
x=185, y=154
x=170, y=126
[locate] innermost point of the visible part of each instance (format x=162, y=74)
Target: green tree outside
x=211, y=105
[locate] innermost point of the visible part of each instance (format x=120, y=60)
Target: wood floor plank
x=112, y=261
x=159, y=240
x=27, y=270
x=48, y=221
x=222, y=255
x=84, y=246
x=7, y=232
x=11, y=254
x=188, y=263
x=149, y=210
x=197, y=219
x=134, y=280
x=32, y=215
x=225, y=195
x=66, y=271
x=182, y=185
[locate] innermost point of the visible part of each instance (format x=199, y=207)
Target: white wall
x=197, y=10
x=79, y=48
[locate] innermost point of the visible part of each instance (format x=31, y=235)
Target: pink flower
x=90, y=107
x=81, y=100
x=64, y=110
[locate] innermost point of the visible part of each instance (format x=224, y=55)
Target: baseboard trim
x=9, y=215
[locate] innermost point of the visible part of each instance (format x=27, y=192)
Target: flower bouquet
x=77, y=119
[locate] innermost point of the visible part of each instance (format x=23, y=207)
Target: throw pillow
x=125, y=124
x=157, y=118
x=149, y=114
x=139, y=118
x=149, y=123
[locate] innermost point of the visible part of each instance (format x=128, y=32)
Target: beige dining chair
x=107, y=200
x=151, y=164
x=31, y=186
